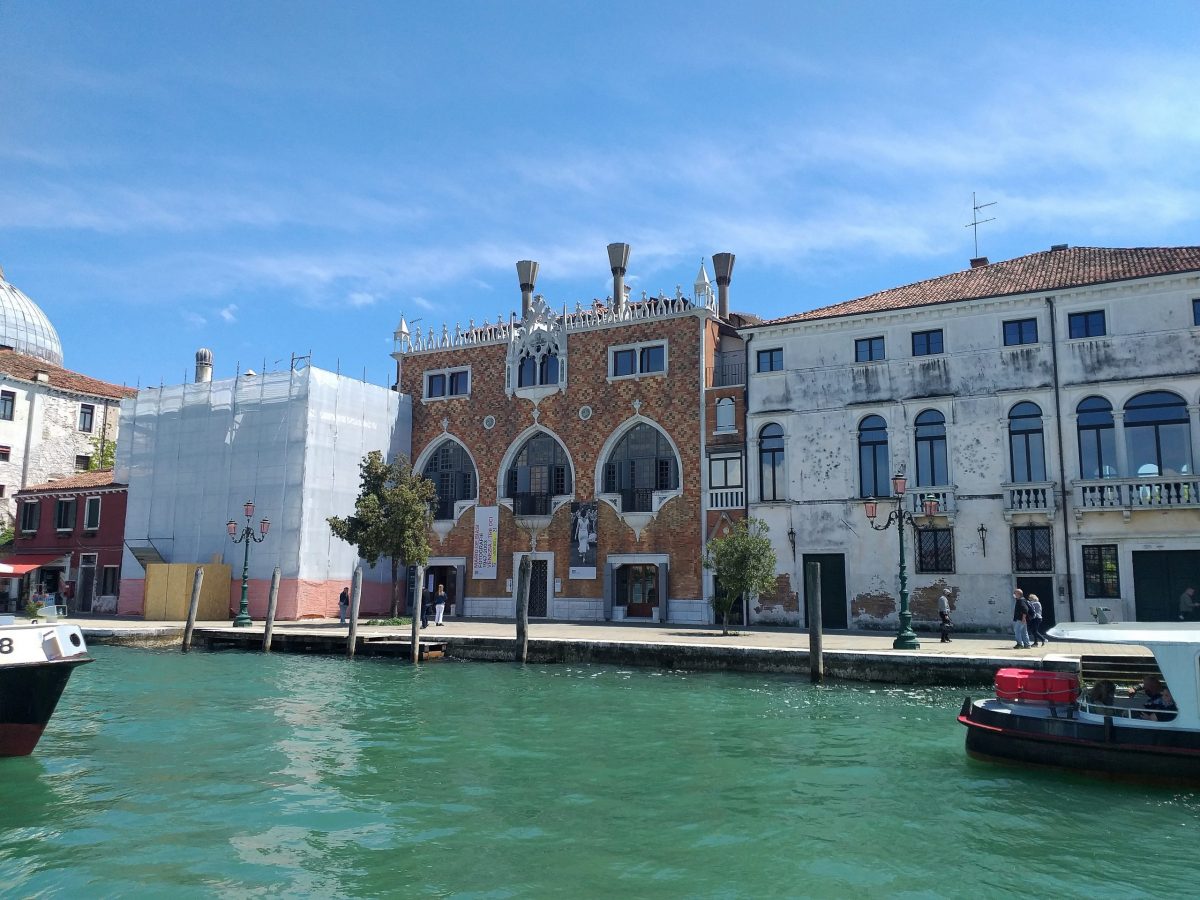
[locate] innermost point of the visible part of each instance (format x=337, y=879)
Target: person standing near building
x=1187, y=604
x=343, y=605
x=1020, y=620
x=1035, y=620
x=944, y=615
x=439, y=604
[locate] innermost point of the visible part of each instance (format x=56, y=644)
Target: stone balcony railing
x=726, y=498
x=1036, y=497
x=1127, y=495
x=914, y=499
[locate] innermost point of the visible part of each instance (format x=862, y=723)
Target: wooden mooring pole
x=193, y=609
x=523, y=576
x=272, y=602
x=418, y=605
x=355, y=599
x=812, y=592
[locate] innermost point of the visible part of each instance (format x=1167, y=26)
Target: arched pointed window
x=641, y=463
x=1026, y=444
x=772, y=479
x=874, y=473
x=453, y=475
x=1158, y=435
x=931, y=449
x=1097, y=438
x=539, y=472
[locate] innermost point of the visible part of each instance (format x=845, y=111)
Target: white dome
x=25, y=328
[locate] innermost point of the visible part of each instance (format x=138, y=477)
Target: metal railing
x=531, y=504
x=728, y=371
x=637, y=500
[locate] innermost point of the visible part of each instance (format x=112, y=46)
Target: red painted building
x=68, y=539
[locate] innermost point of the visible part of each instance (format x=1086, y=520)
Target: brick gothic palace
x=605, y=442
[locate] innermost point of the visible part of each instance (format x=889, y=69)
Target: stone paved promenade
x=854, y=655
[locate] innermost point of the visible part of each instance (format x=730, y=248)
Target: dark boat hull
x=29, y=694
x=1166, y=755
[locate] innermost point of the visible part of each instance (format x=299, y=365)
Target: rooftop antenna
x=975, y=222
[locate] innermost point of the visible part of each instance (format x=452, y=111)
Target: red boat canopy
x=19, y=565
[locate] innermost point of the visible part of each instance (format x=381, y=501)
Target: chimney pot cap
x=1054, y=248
x=204, y=356
x=618, y=256
x=979, y=262
x=527, y=273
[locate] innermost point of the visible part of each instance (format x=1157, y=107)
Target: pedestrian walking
x=1020, y=620
x=1035, y=620
x=439, y=605
x=343, y=605
x=944, y=615
x=1187, y=604
x=425, y=608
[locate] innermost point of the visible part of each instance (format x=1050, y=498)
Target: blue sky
x=268, y=178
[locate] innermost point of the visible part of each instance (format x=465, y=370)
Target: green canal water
x=231, y=775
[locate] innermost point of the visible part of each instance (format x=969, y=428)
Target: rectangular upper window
x=64, y=514
x=1032, y=549
x=637, y=359
x=725, y=472
x=1196, y=312
x=1101, y=574
x=447, y=383
x=91, y=513
x=1020, y=331
x=31, y=514
x=1086, y=324
x=868, y=349
x=82, y=463
x=87, y=417
x=770, y=360
x=5, y=453
x=927, y=343
x=8, y=403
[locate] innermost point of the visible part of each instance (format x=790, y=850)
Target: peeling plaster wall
x=822, y=395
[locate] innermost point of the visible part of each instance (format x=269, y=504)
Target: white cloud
x=228, y=313
x=423, y=303
x=194, y=319
x=359, y=299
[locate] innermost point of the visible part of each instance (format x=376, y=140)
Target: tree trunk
x=523, y=577
x=395, y=588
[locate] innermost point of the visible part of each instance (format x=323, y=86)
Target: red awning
x=19, y=565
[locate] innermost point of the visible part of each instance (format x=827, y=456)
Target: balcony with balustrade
x=1029, y=498
x=914, y=500
x=727, y=498
x=1130, y=495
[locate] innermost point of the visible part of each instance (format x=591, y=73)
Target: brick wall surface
x=672, y=401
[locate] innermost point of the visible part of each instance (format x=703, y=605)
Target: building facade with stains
x=586, y=439
x=1049, y=404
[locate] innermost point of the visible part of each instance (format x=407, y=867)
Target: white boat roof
x=1158, y=633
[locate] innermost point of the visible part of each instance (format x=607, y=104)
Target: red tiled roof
x=24, y=368
x=1048, y=270
x=77, y=482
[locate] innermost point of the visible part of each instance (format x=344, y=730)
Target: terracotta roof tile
x=1048, y=270
x=78, y=481
x=24, y=368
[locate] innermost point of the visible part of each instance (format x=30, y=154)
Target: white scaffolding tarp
x=290, y=441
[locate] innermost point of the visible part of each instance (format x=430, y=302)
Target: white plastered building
x=1050, y=404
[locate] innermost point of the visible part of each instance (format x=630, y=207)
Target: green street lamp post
x=247, y=536
x=906, y=639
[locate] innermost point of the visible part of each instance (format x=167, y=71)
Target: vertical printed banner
x=486, y=550
x=583, y=541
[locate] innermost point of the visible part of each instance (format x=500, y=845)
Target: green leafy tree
x=391, y=516
x=743, y=562
x=104, y=453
